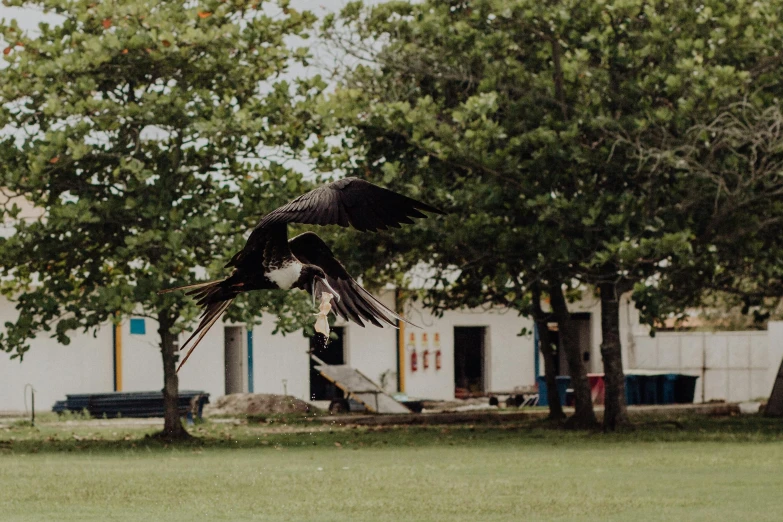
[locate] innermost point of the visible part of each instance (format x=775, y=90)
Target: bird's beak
x=320, y=286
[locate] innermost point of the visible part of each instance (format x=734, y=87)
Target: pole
x=537, y=360
x=250, y=374
x=32, y=396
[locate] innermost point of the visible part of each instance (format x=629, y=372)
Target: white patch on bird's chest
x=286, y=275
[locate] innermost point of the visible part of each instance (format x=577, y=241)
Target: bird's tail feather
x=214, y=298
x=189, y=287
x=391, y=312
x=212, y=314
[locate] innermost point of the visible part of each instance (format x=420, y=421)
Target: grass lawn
x=706, y=469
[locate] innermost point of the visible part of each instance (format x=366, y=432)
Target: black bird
x=270, y=260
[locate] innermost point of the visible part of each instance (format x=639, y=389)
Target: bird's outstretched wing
x=355, y=304
x=350, y=202
x=346, y=202
x=263, y=246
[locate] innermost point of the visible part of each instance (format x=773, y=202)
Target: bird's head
x=313, y=280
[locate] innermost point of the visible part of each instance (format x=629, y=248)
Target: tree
x=410, y=116
x=511, y=111
x=143, y=132
x=733, y=164
x=668, y=67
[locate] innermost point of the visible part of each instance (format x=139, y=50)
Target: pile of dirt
x=256, y=404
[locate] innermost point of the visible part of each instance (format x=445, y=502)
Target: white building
x=479, y=349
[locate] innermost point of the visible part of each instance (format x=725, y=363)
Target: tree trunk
x=584, y=416
x=550, y=371
x=774, y=406
x=615, y=412
x=172, y=428
x=545, y=346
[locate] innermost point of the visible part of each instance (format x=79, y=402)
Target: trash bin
x=666, y=385
x=653, y=388
x=649, y=387
x=633, y=393
x=684, y=388
x=562, y=386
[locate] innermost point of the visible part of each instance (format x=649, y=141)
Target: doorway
x=234, y=359
x=469, y=357
x=321, y=389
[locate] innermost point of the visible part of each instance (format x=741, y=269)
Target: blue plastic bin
x=649, y=387
x=684, y=388
x=633, y=392
x=664, y=388
x=666, y=384
x=563, y=381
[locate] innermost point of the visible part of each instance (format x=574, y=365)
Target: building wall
x=84, y=366
x=373, y=350
x=739, y=365
x=509, y=358
x=629, y=328
x=87, y=364
x=277, y=358
x=732, y=366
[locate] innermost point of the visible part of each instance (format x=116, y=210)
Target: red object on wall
x=414, y=361
x=425, y=359
x=437, y=359
x=597, y=387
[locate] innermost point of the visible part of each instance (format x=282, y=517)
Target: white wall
x=732, y=366
x=142, y=367
x=87, y=364
x=205, y=370
x=590, y=304
x=278, y=357
x=373, y=350
x=509, y=358
x=84, y=366
x=740, y=365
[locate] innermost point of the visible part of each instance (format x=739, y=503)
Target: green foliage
x=522, y=117
x=735, y=161
x=142, y=133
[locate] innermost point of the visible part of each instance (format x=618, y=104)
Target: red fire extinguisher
x=425, y=359
x=414, y=361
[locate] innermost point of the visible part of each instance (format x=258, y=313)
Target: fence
x=732, y=366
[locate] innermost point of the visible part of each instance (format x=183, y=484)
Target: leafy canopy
x=523, y=117
x=145, y=134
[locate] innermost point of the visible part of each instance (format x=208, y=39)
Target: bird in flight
x=270, y=260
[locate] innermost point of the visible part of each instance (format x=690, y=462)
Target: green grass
x=707, y=469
